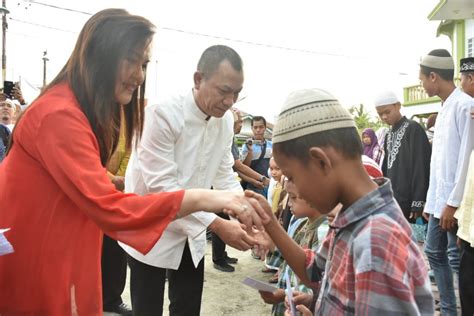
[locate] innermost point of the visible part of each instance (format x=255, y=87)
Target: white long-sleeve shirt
x=180, y=149
x=453, y=142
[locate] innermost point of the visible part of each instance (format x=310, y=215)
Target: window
x=470, y=48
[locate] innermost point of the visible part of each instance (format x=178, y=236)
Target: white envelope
x=259, y=285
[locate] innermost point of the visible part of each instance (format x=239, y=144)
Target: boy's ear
x=319, y=159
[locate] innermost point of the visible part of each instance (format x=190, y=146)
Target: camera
x=7, y=88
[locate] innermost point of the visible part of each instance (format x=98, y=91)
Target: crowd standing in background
x=335, y=213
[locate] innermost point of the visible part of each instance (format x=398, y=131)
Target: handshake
x=253, y=213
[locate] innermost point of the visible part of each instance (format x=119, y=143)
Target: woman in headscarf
x=371, y=145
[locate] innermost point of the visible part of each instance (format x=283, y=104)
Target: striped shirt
x=372, y=263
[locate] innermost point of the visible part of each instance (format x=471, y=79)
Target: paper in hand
x=5, y=246
x=289, y=293
x=259, y=285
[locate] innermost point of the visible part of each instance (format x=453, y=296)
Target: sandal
x=274, y=278
x=268, y=270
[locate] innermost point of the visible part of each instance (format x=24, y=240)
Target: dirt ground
x=224, y=294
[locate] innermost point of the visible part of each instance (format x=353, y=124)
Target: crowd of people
x=330, y=210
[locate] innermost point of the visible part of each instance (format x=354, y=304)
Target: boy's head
x=275, y=171
x=436, y=69
x=467, y=75
x=299, y=207
x=388, y=107
x=259, y=125
x=313, y=138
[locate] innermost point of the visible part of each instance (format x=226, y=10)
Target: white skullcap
x=385, y=98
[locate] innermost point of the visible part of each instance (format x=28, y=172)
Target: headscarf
x=374, y=143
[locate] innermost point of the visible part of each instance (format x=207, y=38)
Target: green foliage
x=363, y=119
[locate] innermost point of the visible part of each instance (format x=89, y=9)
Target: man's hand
x=232, y=233
x=16, y=94
x=426, y=216
x=258, y=184
x=415, y=215
x=273, y=298
x=447, y=220
x=119, y=182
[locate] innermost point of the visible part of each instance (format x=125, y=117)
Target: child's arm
x=294, y=255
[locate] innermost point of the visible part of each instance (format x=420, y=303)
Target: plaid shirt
x=372, y=264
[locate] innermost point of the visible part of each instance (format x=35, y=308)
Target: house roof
x=452, y=10
x=248, y=115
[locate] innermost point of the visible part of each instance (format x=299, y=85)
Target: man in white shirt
x=465, y=213
x=186, y=143
x=453, y=142
x=7, y=113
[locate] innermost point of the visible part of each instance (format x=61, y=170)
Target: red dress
x=57, y=199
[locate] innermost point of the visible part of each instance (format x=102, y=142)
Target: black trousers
x=218, y=246
x=114, y=272
x=147, y=286
x=466, y=279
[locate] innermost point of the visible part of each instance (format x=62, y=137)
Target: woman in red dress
x=54, y=191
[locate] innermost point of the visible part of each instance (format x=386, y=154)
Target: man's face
x=258, y=129
x=389, y=114
x=217, y=93
x=427, y=81
x=7, y=111
x=467, y=83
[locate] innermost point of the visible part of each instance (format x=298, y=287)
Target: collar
x=453, y=95
x=194, y=108
x=399, y=123
x=366, y=206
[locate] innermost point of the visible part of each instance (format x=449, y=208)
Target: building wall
x=469, y=38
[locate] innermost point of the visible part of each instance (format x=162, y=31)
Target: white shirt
x=180, y=149
x=453, y=142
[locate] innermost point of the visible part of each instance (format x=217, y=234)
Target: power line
x=265, y=45
x=58, y=7
x=42, y=25
x=306, y=51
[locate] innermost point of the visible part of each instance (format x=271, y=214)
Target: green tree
x=363, y=119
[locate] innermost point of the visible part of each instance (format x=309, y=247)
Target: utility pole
x=45, y=60
x=4, y=11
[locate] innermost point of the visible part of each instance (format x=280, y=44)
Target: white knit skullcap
x=307, y=112
x=385, y=98
x=437, y=62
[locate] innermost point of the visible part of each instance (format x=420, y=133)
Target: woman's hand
x=246, y=209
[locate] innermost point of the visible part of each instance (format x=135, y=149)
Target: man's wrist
x=215, y=225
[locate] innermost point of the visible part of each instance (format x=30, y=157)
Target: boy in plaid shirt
x=369, y=264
